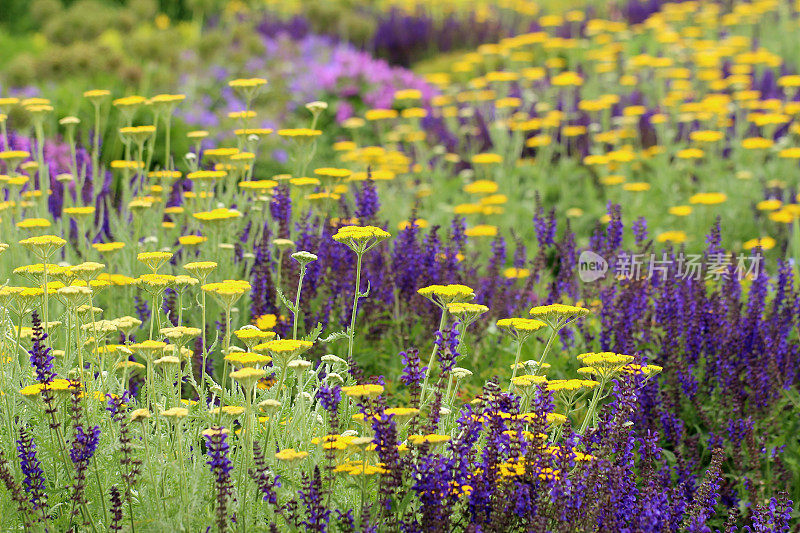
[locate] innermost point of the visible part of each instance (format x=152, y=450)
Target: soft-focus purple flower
x=31, y=466
x=40, y=354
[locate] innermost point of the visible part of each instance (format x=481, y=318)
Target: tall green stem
x=352, y=333
x=45, y=304
x=153, y=312
x=248, y=449
x=167, y=158
x=516, y=363
x=226, y=346
x=100, y=488
x=180, y=308
x=592, y=407
x=205, y=348
x=280, y=268
x=148, y=464
x=150, y=383
x=4, y=132
x=546, y=349
x=297, y=300
x=442, y=322
x=96, y=147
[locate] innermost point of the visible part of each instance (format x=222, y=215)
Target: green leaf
x=366, y=293
x=211, y=384
x=335, y=336
x=213, y=344
x=401, y=507
x=314, y=333
x=289, y=305
x=793, y=396
x=669, y=456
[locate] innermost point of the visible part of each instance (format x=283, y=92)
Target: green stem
x=592, y=407
x=180, y=307
x=450, y=382
x=96, y=148
x=153, y=312
x=567, y=410
x=546, y=349
x=73, y=157
x=130, y=511
x=226, y=346
x=79, y=349
x=297, y=300
x=516, y=363
x=97, y=342
x=167, y=158
x=4, y=133
x=150, y=383
x=100, y=489
x=357, y=291
x=179, y=438
x=148, y=464
x=280, y=268
x=280, y=382
x=442, y=322
x=205, y=348
x=45, y=302
x=248, y=450
x=62, y=444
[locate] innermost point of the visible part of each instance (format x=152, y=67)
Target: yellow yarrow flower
x=360, y=239
x=482, y=230
x=249, y=359
x=250, y=333
x=290, y=455
x=175, y=412
x=765, y=243
x=267, y=321
x=466, y=308
x=708, y=198
x=299, y=133
x=676, y=237
x=333, y=172
x=680, y=210
x=487, y=158
x=247, y=83
x=442, y=295
x=154, y=260
x=605, y=359
x=380, y=114
x=220, y=153
x=358, y=391
x=192, y=240
x=201, y=269
x=248, y=376
x=259, y=185
x=227, y=292
x=203, y=175
x=557, y=315
x=217, y=215
x=769, y=205
x=129, y=101
x=481, y=187
x=77, y=212
x=56, y=385
x=432, y=439
x=571, y=385
x=148, y=347
x=521, y=324
x=30, y=223
x=96, y=94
